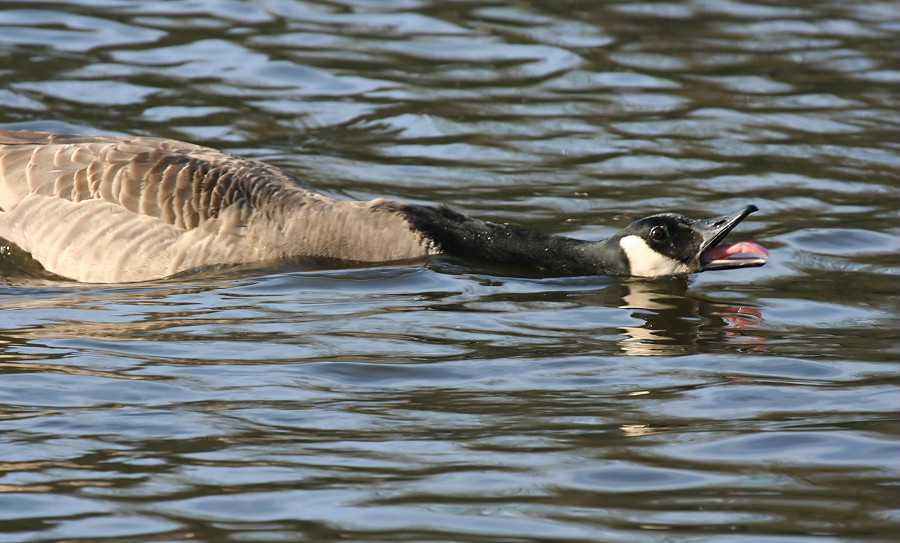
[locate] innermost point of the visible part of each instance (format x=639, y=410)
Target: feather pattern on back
x=109, y=209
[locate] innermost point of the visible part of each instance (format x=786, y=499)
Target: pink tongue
x=725, y=250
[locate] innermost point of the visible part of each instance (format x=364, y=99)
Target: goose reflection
x=675, y=322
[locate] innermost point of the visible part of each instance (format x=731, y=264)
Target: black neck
x=459, y=235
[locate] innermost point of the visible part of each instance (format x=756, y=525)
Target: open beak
x=716, y=255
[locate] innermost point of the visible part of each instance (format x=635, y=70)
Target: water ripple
x=456, y=400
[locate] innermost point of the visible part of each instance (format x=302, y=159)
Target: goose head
x=672, y=244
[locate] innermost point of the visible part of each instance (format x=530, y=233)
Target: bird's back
x=110, y=209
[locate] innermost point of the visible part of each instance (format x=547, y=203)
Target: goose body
x=119, y=209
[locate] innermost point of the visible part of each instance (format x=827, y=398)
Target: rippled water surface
x=455, y=401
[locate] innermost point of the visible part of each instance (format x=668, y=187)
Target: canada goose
x=118, y=209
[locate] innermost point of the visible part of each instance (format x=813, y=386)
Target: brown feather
x=113, y=209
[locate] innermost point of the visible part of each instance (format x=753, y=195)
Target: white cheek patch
x=644, y=261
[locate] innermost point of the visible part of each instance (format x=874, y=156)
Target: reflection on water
x=667, y=318
x=676, y=324
x=449, y=401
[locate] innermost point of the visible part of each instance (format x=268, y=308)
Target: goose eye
x=658, y=233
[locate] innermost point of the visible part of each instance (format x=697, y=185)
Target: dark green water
x=453, y=401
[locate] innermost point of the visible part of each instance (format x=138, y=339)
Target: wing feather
x=91, y=240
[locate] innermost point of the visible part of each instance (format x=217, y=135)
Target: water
x=456, y=401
